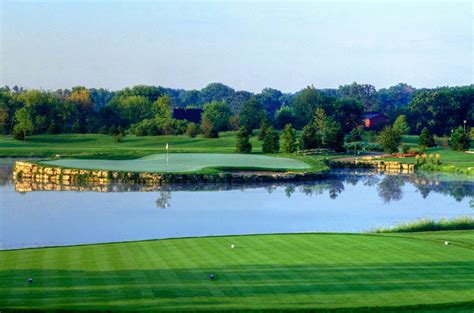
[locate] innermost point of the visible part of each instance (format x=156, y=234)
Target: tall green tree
x=218, y=114
x=271, y=141
x=264, y=125
x=284, y=115
x=426, y=138
x=348, y=113
x=310, y=137
x=289, y=139
x=332, y=135
x=252, y=114
x=243, y=144
x=306, y=102
x=401, y=125
x=459, y=140
x=24, y=124
x=208, y=129
x=390, y=139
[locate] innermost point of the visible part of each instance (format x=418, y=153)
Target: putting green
x=183, y=162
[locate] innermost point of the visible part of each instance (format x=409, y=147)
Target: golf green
x=183, y=162
x=389, y=272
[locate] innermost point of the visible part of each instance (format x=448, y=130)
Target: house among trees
x=189, y=114
x=374, y=120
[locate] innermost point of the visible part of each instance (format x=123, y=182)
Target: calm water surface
x=347, y=201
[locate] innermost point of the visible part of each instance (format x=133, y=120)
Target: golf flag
x=166, y=147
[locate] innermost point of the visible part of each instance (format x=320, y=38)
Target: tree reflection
x=390, y=188
x=163, y=201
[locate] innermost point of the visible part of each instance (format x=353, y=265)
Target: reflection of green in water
x=183, y=162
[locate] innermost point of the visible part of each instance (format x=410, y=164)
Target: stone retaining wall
x=389, y=166
x=27, y=171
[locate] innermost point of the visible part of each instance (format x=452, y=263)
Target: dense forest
x=147, y=110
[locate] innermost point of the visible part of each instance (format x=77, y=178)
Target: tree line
x=147, y=110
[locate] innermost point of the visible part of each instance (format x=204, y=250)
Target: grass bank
x=451, y=161
x=104, y=146
x=343, y=272
x=461, y=223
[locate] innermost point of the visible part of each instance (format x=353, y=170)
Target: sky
x=246, y=45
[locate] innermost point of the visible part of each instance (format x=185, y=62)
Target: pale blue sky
x=285, y=45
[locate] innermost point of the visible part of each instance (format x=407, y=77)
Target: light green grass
x=104, y=146
x=300, y=271
x=451, y=161
x=184, y=162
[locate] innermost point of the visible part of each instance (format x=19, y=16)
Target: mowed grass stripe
x=264, y=272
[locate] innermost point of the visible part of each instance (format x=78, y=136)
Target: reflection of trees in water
x=456, y=189
x=271, y=188
x=370, y=180
x=334, y=186
x=289, y=190
x=6, y=170
x=163, y=201
x=390, y=188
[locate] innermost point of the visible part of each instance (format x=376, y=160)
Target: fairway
x=300, y=271
x=184, y=162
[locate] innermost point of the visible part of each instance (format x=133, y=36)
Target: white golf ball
x=446, y=242
x=232, y=246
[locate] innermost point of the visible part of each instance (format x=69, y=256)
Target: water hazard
x=36, y=215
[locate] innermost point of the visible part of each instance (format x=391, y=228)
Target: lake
x=346, y=201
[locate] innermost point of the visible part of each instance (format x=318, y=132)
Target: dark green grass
x=385, y=272
x=460, y=223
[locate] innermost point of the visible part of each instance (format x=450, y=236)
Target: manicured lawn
x=300, y=271
x=184, y=162
x=104, y=146
x=451, y=161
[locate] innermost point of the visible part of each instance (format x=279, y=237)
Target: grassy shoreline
x=460, y=223
x=94, y=146
x=300, y=272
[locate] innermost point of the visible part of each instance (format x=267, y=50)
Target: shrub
x=423, y=158
x=362, y=146
x=271, y=141
x=53, y=128
x=355, y=134
x=426, y=138
x=192, y=130
x=118, y=137
x=438, y=159
x=412, y=151
x=459, y=140
x=234, y=122
x=289, y=139
x=18, y=135
x=263, y=128
x=208, y=130
x=310, y=138
x=390, y=139
x=243, y=144
x=403, y=148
